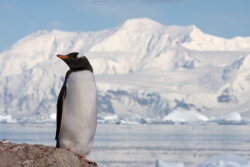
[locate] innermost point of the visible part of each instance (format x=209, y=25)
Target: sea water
x=141, y=145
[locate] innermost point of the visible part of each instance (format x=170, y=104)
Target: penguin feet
x=89, y=161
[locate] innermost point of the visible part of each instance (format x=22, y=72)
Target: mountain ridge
x=141, y=66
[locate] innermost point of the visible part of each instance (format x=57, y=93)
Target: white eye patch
x=79, y=55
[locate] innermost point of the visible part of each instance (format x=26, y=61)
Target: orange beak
x=62, y=57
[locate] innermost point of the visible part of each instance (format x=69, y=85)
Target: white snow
x=194, y=116
x=53, y=116
x=5, y=118
x=111, y=117
x=160, y=163
x=108, y=119
x=141, y=68
x=128, y=122
x=185, y=116
x=235, y=116
x=226, y=160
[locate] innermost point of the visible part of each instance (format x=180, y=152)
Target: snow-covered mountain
x=142, y=67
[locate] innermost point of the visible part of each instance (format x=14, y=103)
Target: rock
x=27, y=155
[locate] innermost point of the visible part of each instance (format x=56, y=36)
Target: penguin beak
x=62, y=57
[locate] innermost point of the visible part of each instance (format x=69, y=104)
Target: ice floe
x=235, y=116
x=108, y=119
x=160, y=163
x=226, y=160
x=222, y=160
x=6, y=118
x=185, y=116
x=53, y=116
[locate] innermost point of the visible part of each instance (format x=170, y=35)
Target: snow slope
x=141, y=67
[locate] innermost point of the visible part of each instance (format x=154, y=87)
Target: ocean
x=141, y=145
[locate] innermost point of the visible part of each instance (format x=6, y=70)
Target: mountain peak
x=194, y=28
x=141, y=23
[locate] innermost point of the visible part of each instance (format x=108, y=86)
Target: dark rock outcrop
x=27, y=155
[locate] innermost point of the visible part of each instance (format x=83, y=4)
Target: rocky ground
x=27, y=155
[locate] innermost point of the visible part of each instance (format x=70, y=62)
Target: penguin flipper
x=60, y=110
x=59, y=106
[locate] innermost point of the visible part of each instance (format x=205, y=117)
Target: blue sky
x=18, y=18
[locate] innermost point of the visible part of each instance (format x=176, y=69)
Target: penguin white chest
x=79, y=116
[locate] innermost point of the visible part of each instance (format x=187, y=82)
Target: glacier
x=141, y=68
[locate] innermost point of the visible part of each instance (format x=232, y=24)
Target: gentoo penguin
x=77, y=106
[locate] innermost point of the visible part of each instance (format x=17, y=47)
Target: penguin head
x=76, y=61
